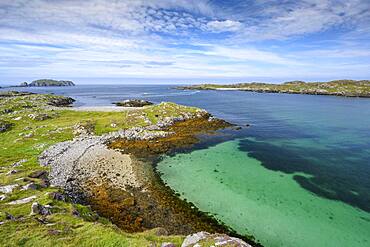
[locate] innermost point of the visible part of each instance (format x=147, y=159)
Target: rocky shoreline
x=114, y=174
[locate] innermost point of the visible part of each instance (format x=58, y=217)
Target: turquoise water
x=254, y=200
x=299, y=176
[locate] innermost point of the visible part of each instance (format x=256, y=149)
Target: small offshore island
x=346, y=88
x=47, y=83
x=87, y=177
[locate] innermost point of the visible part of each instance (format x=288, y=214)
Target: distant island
x=347, y=88
x=47, y=83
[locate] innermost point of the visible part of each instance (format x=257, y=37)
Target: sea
x=296, y=174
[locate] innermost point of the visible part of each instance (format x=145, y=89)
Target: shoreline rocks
x=133, y=103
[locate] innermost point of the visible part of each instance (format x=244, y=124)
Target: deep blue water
x=324, y=136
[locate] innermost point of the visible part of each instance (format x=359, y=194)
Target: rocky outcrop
x=61, y=101
x=202, y=238
x=133, y=103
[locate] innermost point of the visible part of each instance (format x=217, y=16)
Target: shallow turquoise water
x=254, y=200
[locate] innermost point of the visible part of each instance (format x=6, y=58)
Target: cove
x=271, y=205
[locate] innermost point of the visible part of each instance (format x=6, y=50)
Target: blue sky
x=137, y=41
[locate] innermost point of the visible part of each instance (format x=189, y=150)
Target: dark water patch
x=330, y=175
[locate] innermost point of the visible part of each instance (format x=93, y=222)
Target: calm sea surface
x=299, y=176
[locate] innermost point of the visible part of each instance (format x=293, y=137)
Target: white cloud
x=224, y=26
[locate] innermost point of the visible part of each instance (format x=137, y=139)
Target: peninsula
x=72, y=177
x=47, y=83
x=347, y=88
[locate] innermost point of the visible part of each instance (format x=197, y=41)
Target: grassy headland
x=30, y=124
x=347, y=88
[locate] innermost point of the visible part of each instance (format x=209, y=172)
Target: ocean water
x=298, y=176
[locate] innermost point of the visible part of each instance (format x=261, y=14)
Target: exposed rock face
x=197, y=239
x=133, y=103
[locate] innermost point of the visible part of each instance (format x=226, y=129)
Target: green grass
x=88, y=229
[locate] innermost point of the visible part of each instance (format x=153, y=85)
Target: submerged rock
x=133, y=103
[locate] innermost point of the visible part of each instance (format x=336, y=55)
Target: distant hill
x=48, y=83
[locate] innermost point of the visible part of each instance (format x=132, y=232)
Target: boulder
x=30, y=186
x=133, y=103
x=197, y=239
x=37, y=208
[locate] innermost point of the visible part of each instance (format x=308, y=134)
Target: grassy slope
x=86, y=230
x=339, y=87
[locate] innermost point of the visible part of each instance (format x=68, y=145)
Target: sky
x=184, y=41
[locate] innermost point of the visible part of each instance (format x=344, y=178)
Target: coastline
x=115, y=173
x=342, y=88
x=101, y=171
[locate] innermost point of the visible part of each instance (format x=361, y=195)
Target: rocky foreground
x=96, y=168
x=346, y=88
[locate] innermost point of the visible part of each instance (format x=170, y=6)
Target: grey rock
x=9, y=216
x=196, y=239
x=30, y=186
x=5, y=126
x=192, y=239
x=19, y=163
x=39, y=116
x=167, y=244
x=37, y=208
x=23, y=201
x=2, y=197
x=8, y=188
x=11, y=172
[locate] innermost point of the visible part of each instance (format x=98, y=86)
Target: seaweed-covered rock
x=5, y=126
x=133, y=103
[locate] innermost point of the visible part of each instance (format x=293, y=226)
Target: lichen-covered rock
x=133, y=103
x=198, y=238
